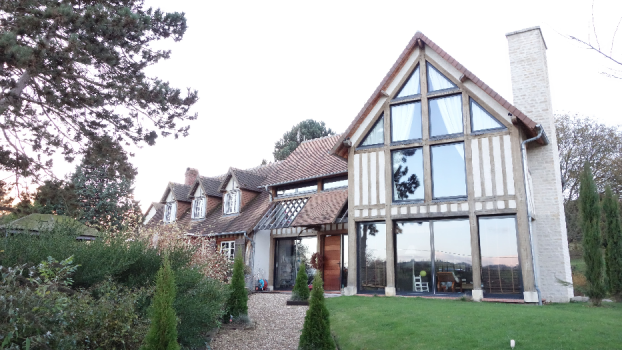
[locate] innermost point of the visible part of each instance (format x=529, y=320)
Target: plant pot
x=298, y=302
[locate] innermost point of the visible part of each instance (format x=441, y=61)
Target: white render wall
x=261, y=265
x=532, y=96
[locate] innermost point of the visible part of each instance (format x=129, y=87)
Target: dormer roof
x=210, y=186
x=248, y=180
x=421, y=41
x=180, y=192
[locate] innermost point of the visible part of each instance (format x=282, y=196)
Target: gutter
x=304, y=179
x=541, y=135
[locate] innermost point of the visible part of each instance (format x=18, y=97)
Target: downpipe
x=523, y=149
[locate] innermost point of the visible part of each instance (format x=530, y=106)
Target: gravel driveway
x=278, y=325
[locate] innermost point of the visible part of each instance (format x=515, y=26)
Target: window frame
x=429, y=65
x=202, y=199
x=408, y=97
x=168, y=208
x=358, y=252
x=230, y=249
x=393, y=181
x=403, y=102
x=296, y=186
x=445, y=136
x=238, y=194
x=376, y=145
x=466, y=181
x=335, y=179
x=483, y=131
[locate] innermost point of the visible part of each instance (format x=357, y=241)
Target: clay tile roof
x=310, y=160
x=322, y=208
x=249, y=216
x=248, y=180
x=338, y=147
x=180, y=192
x=210, y=185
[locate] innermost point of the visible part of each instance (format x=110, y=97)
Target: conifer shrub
x=237, y=305
x=162, y=333
x=613, y=236
x=589, y=209
x=301, y=288
x=316, y=330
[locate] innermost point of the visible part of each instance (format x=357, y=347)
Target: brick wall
x=531, y=90
x=247, y=196
x=212, y=202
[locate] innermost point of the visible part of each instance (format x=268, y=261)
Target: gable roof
x=47, y=222
x=210, y=185
x=419, y=39
x=310, y=160
x=322, y=208
x=180, y=192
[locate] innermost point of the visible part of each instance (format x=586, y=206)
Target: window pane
x=372, y=256
x=448, y=171
x=446, y=115
x=305, y=248
x=344, y=261
x=500, y=267
x=437, y=81
x=452, y=255
x=285, y=264
x=296, y=189
x=408, y=174
x=414, y=257
x=376, y=134
x=481, y=119
x=406, y=122
x=336, y=183
x=412, y=86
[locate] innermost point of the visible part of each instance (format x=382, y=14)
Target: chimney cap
x=528, y=30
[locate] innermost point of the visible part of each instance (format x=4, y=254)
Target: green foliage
x=237, y=305
x=72, y=70
x=162, y=333
x=305, y=130
x=316, y=330
x=199, y=305
x=613, y=238
x=589, y=207
x=301, y=289
x=57, y=197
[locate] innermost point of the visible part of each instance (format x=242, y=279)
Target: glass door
x=289, y=254
x=413, y=273
x=501, y=271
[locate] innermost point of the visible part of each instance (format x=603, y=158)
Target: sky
x=260, y=67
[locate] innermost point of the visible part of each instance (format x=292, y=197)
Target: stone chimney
x=532, y=96
x=191, y=176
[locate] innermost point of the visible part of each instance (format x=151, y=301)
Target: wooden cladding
x=493, y=173
x=369, y=179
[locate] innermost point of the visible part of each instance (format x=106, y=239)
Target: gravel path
x=278, y=325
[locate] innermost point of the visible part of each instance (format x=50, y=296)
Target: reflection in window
x=338, y=182
x=227, y=248
x=448, y=170
x=375, y=135
x=372, y=256
x=437, y=81
x=407, y=174
x=500, y=266
x=290, y=253
x=482, y=120
x=406, y=122
x=452, y=255
x=446, y=115
x=344, y=261
x=412, y=86
x=413, y=271
x=232, y=202
x=297, y=189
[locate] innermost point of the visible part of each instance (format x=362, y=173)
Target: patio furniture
x=443, y=279
x=420, y=286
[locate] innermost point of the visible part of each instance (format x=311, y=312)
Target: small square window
x=446, y=115
x=228, y=249
x=406, y=122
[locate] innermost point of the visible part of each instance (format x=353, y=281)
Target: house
x=442, y=199
x=38, y=223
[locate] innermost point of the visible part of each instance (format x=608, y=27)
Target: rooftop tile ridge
x=320, y=138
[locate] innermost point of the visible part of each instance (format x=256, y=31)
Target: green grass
x=578, y=264
x=416, y=323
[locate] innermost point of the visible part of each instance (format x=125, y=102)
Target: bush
x=316, y=330
x=301, y=289
x=237, y=305
x=162, y=333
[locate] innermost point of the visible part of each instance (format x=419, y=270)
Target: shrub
x=316, y=330
x=613, y=236
x=301, y=289
x=589, y=207
x=238, y=299
x=162, y=333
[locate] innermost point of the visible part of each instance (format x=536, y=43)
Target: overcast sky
x=262, y=66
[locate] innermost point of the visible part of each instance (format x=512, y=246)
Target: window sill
x=416, y=142
x=361, y=148
x=413, y=201
x=449, y=199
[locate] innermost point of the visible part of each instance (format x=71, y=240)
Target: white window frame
x=228, y=249
x=170, y=212
x=199, y=204
x=231, y=202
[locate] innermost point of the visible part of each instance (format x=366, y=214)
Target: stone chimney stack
x=532, y=96
x=191, y=176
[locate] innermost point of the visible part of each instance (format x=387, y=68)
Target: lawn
x=416, y=323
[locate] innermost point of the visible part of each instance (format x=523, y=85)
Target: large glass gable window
x=412, y=86
x=482, y=120
x=448, y=171
x=501, y=272
x=407, y=174
x=406, y=122
x=372, y=256
x=446, y=115
x=437, y=81
x=375, y=135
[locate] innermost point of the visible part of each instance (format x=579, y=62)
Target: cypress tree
x=613, y=236
x=238, y=299
x=162, y=334
x=316, y=330
x=589, y=209
x=301, y=289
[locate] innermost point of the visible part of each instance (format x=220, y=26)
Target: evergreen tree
x=301, y=289
x=103, y=184
x=71, y=70
x=162, y=333
x=613, y=237
x=237, y=305
x=305, y=130
x=57, y=197
x=589, y=207
x=316, y=330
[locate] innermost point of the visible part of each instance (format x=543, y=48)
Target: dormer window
x=170, y=212
x=198, y=204
x=232, y=202
x=297, y=189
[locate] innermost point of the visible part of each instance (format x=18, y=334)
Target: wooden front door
x=332, y=262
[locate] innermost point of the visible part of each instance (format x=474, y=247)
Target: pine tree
x=613, y=236
x=237, y=304
x=306, y=130
x=301, y=289
x=162, y=334
x=589, y=208
x=316, y=330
